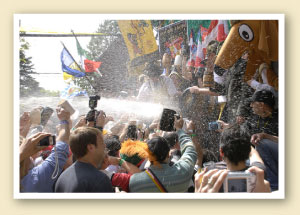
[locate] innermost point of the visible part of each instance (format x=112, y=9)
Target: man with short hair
x=265, y=118
x=159, y=88
x=84, y=176
x=263, y=127
x=236, y=149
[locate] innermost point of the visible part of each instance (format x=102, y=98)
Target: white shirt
x=149, y=90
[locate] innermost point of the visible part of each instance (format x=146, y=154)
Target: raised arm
x=63, y=127
x=25, y=124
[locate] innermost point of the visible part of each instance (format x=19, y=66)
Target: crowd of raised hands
x=205, y=180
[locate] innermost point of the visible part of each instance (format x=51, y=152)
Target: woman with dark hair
x=160, y=176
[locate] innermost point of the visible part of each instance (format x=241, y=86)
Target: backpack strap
x=156, y=181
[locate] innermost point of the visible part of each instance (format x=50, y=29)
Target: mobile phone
x=45, y=115
x=240, y=181
x=47, y=141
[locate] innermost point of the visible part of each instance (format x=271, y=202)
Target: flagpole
x=83, y=51
x=77, y=47
x=79, y=66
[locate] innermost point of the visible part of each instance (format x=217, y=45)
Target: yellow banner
x=139, y=39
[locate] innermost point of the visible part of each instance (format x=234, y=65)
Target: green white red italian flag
x=86, y=62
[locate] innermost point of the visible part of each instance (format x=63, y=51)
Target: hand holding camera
x=218, y=126
x=101, y=119
x=32, y=145
x=190, y=126
x=214, y=126
x=97, y=117
x=80, y=123
x=210, y=182
x=261, y=185
x=251, y=180
x=178, y=123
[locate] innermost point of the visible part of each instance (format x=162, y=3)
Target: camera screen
x=237, y=185
x=47, y=141
x=213, y=126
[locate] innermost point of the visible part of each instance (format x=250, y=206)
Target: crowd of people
x=223, y=125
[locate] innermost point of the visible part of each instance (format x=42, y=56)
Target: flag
x=199, y=54
x=204, y=32
x=85, y=59
x=223, y=30
x=193, y=49
x=71, y=90
x=217, y=30
x=69, y=65
x=91, y=66
x=67, y=77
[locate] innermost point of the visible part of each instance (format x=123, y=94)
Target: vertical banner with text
x=172, y=37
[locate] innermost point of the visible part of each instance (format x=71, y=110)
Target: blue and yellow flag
x=69, y=65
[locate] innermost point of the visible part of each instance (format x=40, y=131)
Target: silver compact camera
x=213, y=126
x=240, y=181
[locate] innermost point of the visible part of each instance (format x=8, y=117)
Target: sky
x=45, y=51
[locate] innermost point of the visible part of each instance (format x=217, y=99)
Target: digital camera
x=240, y=181
x=47, y=141
x=214, y=126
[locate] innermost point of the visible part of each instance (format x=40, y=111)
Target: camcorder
x=93, y=113
x=47, y=141
x=214, y=126
x=240, y=181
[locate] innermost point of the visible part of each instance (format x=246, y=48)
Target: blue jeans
x=268, y=150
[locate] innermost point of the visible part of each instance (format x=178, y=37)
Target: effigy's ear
x=268, y=39
x=263, y=38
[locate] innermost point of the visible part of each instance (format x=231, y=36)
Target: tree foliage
x=96, y=48
x=28, y=84
x=98, y=45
